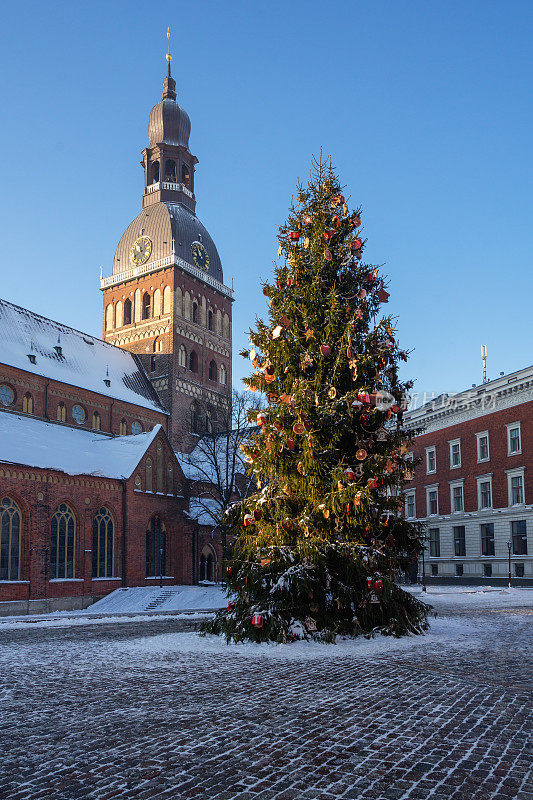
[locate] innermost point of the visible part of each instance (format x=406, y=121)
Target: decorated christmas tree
x=319, y=546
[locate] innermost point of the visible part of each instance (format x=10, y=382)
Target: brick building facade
x=474, y=486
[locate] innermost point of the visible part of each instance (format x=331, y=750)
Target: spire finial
x=168, y=55
x=169, y=84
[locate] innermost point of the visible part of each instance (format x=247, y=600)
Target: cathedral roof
x=69, y=356
x=168, y=225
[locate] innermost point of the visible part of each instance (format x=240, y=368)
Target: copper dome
x=169, y=123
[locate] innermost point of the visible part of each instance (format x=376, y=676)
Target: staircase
x=160, y=599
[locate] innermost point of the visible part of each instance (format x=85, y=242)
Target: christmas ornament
x=230, y=607
x=276, y=333
x=301, y=468
x=325, y=349
x=327, y=255
x=272, y=397
x=362, y=294
x=257, y=620
x=374, y=598
x=309, y=334
x=298, y=428
x=372, y=483
x=265, y=562
x=308, y=219
x=369, y=583
x=378, y=585
x=310, y=624
x=363, y=397
x=248, y=520
x=328, y=235
x=361, y=454
x=383, y=296
x=356, y=245
x=285, y=321
x=257, y=514
x=287, y=525
x=253, y=355
x=332, y=393
x=294, y=236
x=291, y=444
x=350, y=474
x=262, y=418
x=269, y=378
x=336, y=221
x=356, y=220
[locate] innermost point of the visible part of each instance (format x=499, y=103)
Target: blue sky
x=425, y=108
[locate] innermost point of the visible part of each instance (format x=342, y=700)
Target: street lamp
x=509, y=546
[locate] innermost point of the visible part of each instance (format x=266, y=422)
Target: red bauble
x=383, y=296
x=371, y=278
x=230, y=607
x=372, y=483
x=356, y=244
x=325, y=349
x=363, y=397
x=257, y=514
x=378, y=585
x=257, y=620
x=350, y=474
x=337, y=220
x=262, y=418
x=328, y=235
x=369, y=583
x=248, y=520
x=294, y=236
x=356, y=221
x=395, y=408
x=287, y=525
x=291, y=444
x=229, y=572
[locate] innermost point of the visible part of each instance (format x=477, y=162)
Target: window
x=167, y=300
x=515, y=482
x=103, y=535
x=459, y=570
x=193, y=361
x=457, y=497
x=152, y=363
x=487, y=539
x=459, y=540
x=136, y=427
x=431, y=460
x=96, y=421
x=119, y=314
x=156, y=548
x=518, y=570
x=484, y=492
x=482, y=446
x=123, y=428
x=210, y=320
x=159, y=467
x=434, y=569
x=155, y=172
x=455, y=454
x=109, y=314
x=149, y=480
x=514, y=443
x=158, y=345
x=487, y=570
x=410, y=506
x=78, y=414
x=170, y=171
x=432, y=498
x=212, y=371
x=519, y=536
x=186, y=175
x=434, y=542
x=196, y=419
x=182, y=356
x=7, y=395
x=61, y=412
x=157, y=303
x=127, y=312
x=147, y=306
x=27, y=403
x=10, y=528
x=223, y=375
x=62, y=540
x=195, y=312
x=207, y=564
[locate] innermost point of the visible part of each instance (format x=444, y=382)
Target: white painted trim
x=451, y=443
x=518, y=472
x=510, y=427
x=478, y=437
x=429, y=489
x=432, y=449
x=483, y=479
x=455, y=485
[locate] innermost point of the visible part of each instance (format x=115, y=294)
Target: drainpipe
x=111, y=416
x=46, y=398
x=124, y=528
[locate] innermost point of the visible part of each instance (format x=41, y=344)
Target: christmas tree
x=318, y=546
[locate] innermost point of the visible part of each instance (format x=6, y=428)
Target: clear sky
x=424, y=106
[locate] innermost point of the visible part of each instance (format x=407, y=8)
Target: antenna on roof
x=484, y=360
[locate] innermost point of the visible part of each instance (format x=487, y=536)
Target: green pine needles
x=318, y=547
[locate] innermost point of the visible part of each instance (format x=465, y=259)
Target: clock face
x=199, y=256
x=78, y=414
x=7, y=395
x=141, y=249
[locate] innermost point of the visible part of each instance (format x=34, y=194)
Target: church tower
x=166, y=300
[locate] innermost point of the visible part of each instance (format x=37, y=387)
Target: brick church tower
x=166, y=300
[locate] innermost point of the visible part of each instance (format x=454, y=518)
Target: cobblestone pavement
x=85, y=715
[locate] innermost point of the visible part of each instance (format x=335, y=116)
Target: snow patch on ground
x=23, y=623
x=472, y=597
x=168, y=598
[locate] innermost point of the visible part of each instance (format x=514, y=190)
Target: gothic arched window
x=123, y=427
x=182, y=356
x=103, y=535
x=149, y=480
x=207, y=564
x=109, y=313
x=186, y=175
x=156, y=548
x=170, y=171
x=119, y=315
x=196, y=420
x=147, y=305
x=170, y=479
x=27, y=403
x=210, y=320
x=10, y=525
x=155, y=171
x=127, y=311
x=222, y=376
x=61, y=412
x=96, y=421
x=157, y=303
x=212, y=371
x=167, y=300
x=195, y=312
x=193, y=361
x=62, y=541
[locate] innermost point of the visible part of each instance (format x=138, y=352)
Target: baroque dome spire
x=168, y=122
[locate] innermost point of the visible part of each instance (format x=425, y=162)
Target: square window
x=459, y=570
x=483, y=447
x=434, y=569
x=514, y=439
x=433, y=502
x=459, y=540
x=519, y=536
x=517, y=490
x=455, y=454
x=434, y=542
x=410, y=511
x=487, y=570
x=487, y=539
x=519, y=570
x=431, y=460
x=457, y=496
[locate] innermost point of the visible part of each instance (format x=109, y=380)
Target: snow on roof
x=48, y=445
x=82, y=360
x=205, y=510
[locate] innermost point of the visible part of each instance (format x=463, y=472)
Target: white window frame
x=452, y=442
x=484, y=479
x=515, y=473
x=511, y=426
x=456, y=485
x=433, y=488
x=432, y=449
x=408, y=495
x=479, y=436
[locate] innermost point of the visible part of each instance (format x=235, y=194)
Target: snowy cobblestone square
x=144, y=709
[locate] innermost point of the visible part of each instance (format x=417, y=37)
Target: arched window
x=27, y=403
x=212, y=371
x=178, y=301
x=182, y=356
x=227, y=334
x=103, y=536
x=170, y=479
x=186, y=175
x=222, y=375
x=158, y=345
x=136, y=427
x=157, y=303
x=196, y=419
x=137, y=310
x=193, y=361
x=159, y=467
x=127, y=311
x=155, y=171
x=119, y=317
x=156, y=548
x=96, y=421
x=10, y=525
x=219, y=322
x=207, y=564
x=147, y=305
x=109, y=317
x=170, y=170
x=187, y=305
x=62, y=541
x=167, y=300
x=210, y=320
x=61, y=412
x=123, y=428
x=149, y=481
x=195, y=312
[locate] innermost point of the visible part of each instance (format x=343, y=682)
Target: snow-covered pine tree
x=319, y=545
